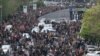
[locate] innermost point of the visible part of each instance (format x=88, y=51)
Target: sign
x=34, y=6
x=8, y=27
x=25, y=9
x=5, y=48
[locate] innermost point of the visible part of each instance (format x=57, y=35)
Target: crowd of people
x=16, y=32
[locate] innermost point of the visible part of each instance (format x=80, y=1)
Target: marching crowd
x=16, y=32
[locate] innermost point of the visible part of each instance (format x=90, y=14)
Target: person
x=26, y=43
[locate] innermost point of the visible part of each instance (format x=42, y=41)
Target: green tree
x=40, y=3
x=91, y=24
x=10, y=6
x=98, y=1
x=25, y=2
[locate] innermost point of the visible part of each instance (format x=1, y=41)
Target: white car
x=48, y=27
x=90, y=54
x=91, y=48
x=96, y=53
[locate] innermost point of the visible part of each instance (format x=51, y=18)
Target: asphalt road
x=58, y=15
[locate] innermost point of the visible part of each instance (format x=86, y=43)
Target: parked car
x=96, y=53
x=91, y=48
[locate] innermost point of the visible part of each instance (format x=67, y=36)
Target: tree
x=26, y=2
x=91, y=24
x=40, y=3
x=98, y=1
x=10, y=6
